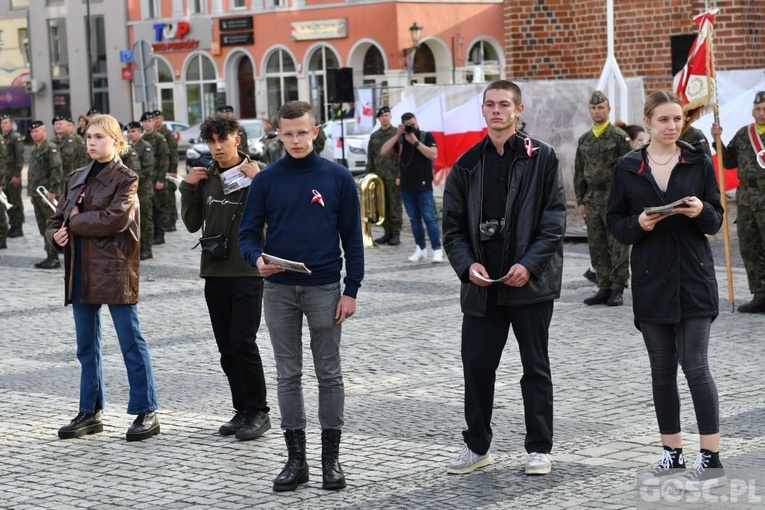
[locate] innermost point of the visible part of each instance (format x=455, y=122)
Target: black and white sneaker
x=707, y=473
x=672, y=463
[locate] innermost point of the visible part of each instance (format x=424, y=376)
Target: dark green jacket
x=161, y=156
x=15, y=146
x=594, y=164
x=45, y=169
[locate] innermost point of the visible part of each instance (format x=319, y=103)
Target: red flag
x=695, y=84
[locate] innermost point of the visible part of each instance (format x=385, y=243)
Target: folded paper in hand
x=669, y=208
x=481, y=277
x=289, y=265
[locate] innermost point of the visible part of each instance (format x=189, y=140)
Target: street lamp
x=416, y=31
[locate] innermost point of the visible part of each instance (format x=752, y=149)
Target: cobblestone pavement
x=404, y=398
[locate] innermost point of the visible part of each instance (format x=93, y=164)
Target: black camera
x=491, y=229
x=409, y=128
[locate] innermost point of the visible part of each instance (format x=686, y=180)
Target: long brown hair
x=658, y=98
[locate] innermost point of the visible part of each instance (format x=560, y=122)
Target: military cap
x=34, y=125
x=5, y=116
x=60, y=117
x=759, y=97
x=93, y=111
x=382, y=110
x=157, y=113
x=147, y=116
x=226, y=109
x=598, y=97
x=134, y=125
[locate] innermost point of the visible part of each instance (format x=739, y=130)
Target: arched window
x=200, y=87
x=246, y=85
x=281, y=81
x=374, y=64
x=321, y=59
x=424, y=65
x=483, y=63
x=165, y=89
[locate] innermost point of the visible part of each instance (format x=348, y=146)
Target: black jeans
x=235, y=306
x=685, y=342
x=483, y=340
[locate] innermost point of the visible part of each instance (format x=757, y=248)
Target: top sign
x=228, y=24
x=321, y=29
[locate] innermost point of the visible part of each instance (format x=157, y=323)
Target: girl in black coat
x=674, y=289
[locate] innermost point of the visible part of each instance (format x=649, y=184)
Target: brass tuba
x=372, y=200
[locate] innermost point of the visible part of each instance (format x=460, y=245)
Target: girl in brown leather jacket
x=97, y=226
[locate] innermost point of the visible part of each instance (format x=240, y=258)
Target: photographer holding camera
x=416, y=153
x=233, y=288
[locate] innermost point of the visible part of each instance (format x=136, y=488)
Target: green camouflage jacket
x=45, y=169
x=172, y=147
x=161, y=156
x=594, y=164
x=739, y=154
x=3, y=162
x=15, y=147
x=142, y=163
x=384, y=166
x=69, y=149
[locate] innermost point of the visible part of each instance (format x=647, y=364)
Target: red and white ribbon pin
x=529, y=145
x=317, y=197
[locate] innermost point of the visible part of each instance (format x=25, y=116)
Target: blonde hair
x=112, y=128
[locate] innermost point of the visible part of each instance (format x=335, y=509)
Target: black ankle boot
x=332, y=474
x=295, y=470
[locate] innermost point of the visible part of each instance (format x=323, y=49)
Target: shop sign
x=238, y=39
x=177, y=36
x=320, y=29
x=231, y=24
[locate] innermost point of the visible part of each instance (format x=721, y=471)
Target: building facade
x=548, y=39
x=258, y=54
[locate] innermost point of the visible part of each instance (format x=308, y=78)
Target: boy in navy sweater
x=311, y=208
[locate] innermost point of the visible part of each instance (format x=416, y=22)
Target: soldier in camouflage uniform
x=68, y=146
x=142, y=162
x=750, y=198
x=45, y=169
x=83, y=158
x=598, y=151
x=161, y=164
x=3, y=212
x=171, y=188
x=692, y=135
x=386, y=167
x=243, y=145
x=14, y=145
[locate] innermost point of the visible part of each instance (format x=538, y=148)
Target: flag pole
x=721, y=170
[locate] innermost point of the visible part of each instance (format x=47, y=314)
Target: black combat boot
x=599, y=298
x=16, y=232
x=756, y=305
x=616, y=298
x=383, y=240
x=159, y=238
x=333, y=477
x=295, y=470
x=394, y=240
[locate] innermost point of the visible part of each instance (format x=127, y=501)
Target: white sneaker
x=438, y=255
x=538, y=464
x=418, y=255
x=468, y=461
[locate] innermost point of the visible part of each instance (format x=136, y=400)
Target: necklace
x=674, y=155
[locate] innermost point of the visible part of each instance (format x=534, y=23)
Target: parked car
x=355, y=146
x=189, y=137
x=199, y=154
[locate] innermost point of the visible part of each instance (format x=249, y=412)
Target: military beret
x=57, y=118
x=34, y=125
x=69, y=119
x=598, y=97
x=133, y=125
x=5, y=116
x=93, y=111
x=157, y=113
x=759, y=97
x=226, y=109
x=147, y=116
x=382, y=110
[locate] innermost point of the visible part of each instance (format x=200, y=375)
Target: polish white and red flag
x=430, y=118
x=464, y=126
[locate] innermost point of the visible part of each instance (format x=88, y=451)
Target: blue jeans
x=284, y=307
x=135, y=352
x=421, y=207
